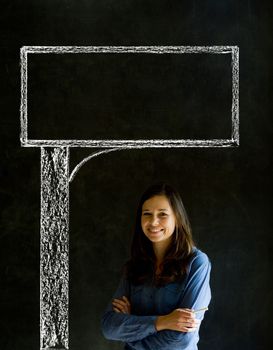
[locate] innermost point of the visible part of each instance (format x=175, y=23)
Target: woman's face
x=158, y=219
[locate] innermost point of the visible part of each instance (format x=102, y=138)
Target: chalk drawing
x=55, y=179
x=54, y=247
x=85, y=160
x=232, y=50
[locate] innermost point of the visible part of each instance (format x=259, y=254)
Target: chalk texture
x=54, y=248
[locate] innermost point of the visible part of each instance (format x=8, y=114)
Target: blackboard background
x=227, y=192
x=129, y=96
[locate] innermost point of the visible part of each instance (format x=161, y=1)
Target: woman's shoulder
x=199, y=258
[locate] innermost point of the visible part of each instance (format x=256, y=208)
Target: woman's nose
x=154, y=220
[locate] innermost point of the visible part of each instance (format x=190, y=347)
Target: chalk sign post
x=56, y=176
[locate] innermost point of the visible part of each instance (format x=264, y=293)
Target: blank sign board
x=130, y=96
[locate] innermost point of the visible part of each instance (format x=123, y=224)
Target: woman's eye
x=159, y=215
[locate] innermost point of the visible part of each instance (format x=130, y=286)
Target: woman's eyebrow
x=158, y=210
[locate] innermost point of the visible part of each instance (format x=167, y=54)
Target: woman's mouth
x=155, y=231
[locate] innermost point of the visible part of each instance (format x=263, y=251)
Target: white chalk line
x=235, y=95
x=164, y=143
x=85, y=160
x=129, y=49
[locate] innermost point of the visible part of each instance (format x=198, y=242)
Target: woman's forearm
x=126, y=327
x=182, y=320
x=159, y=323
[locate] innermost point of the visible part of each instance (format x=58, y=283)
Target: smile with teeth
x=155, y=230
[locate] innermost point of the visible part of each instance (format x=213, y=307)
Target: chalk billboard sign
x=102, y=96
x=114, y=98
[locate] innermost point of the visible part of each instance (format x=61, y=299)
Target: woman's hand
x=182, y=320
x=122, y=305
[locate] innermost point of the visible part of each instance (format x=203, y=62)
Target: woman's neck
x=159, y=250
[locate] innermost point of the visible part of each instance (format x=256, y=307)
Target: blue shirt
x=138, y=330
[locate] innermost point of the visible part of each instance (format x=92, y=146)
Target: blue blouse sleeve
x=125, y=327
x=196, y=295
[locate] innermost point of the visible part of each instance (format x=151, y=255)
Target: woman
x=164, y=283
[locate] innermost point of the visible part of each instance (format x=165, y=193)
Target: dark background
x=227, y=192
x=129, y=96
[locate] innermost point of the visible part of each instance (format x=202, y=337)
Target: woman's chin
x=156, y=237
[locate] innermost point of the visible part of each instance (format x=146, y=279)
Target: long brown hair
x=141, y=266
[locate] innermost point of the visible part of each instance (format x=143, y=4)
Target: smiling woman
x=165, y=281
x=158, y=224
